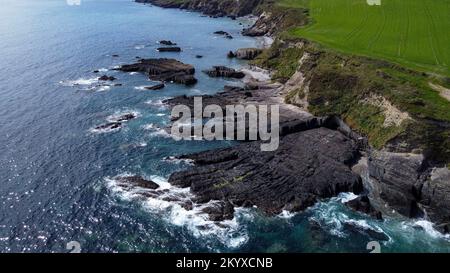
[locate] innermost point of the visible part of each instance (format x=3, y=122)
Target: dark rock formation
x=307, y=167
x=198, y=56
x=136, y=181
x=223, y=71
x=106, y=78
x=167, y=43
x=362, y=204
x=115, y=55
x=247, y=53
x=163, y=70
x=289, y=121
x=156, y=86
x=125, y=117
x=169, y=49
x=398, y=177
x=220, y=211
x=435, y=198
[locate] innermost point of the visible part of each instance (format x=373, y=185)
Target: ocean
x=58, y=174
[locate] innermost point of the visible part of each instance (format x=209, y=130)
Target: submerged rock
x=169, y=49
x=223, y=71
x=106, y=78
x=163, y=70
x=125, y=117
x=109, y=126
x=248, y=53
x=409, y=187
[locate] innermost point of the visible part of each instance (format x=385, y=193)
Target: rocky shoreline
x=317, y=158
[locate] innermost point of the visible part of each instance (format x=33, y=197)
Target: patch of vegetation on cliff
x=282, y=58
x=339, y=85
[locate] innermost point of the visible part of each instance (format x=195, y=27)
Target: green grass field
x=414, y=33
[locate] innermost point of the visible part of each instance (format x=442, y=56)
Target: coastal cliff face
x=408, y=133
x=211, y=7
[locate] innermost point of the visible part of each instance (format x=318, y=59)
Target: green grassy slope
x=414, y=33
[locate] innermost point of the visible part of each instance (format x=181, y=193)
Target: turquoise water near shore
x=58, y=174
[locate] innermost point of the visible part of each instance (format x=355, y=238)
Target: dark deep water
x=56, y=173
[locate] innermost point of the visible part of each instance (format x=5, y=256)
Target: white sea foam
x=161, y=133
x=139, y=47
x=118, y=114
x=104, y=88
x=80, y=81
x=133, y=73
x=229, y=232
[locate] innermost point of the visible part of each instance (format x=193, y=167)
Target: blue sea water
x=57, y=173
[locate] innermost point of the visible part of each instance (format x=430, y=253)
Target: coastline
x=386, y=168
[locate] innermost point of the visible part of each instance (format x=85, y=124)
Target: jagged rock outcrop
x=163, y=70
x=223, y=71
x=307, y=167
